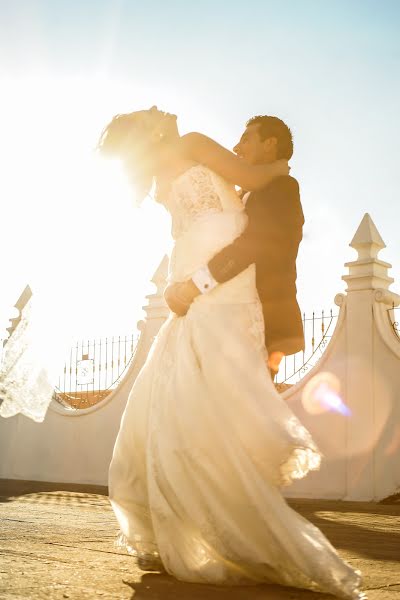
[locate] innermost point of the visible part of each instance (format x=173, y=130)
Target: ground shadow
x=164, y=587
x=395, y=499
x=10, y=489
x=363, y=528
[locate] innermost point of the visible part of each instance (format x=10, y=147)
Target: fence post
x=366, y=275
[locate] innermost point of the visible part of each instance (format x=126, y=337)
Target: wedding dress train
x=206, y=442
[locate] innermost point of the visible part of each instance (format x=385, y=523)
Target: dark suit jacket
x=271, y=241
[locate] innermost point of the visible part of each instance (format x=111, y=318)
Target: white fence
x=361, y=450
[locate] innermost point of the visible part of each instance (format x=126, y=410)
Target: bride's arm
x=204, y=150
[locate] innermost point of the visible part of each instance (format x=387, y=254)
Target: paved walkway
x=58, y=542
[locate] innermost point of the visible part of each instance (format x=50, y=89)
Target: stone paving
x=57, y=541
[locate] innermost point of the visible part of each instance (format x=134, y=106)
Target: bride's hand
x=280, y=167
x=266, y=173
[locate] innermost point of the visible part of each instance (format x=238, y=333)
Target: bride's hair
x=125, y=138
x=115, y=137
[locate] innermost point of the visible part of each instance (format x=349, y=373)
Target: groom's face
x=250, y=146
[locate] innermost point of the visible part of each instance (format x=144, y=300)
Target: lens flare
x=322, y=394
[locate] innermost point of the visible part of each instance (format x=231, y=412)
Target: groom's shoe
x=149, y=562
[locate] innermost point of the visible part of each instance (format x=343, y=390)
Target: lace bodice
x=207, y=215
x=196, y=193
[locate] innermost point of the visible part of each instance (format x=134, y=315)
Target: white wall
x=76, y=446
x=361, y=451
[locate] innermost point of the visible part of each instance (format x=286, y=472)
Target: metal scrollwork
x=93, y=370
x=318, y=332
x=395, y=324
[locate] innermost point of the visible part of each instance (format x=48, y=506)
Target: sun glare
x=70, y=226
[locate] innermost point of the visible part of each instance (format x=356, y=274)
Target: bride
x=205, y=441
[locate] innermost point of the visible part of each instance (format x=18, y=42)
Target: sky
x=329, y=69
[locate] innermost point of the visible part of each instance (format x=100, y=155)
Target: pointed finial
x=368, y=272
x=156, y=307
x=367, y=239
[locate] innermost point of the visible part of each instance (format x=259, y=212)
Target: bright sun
x=69, y=225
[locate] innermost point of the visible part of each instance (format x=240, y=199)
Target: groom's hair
x=274, y=127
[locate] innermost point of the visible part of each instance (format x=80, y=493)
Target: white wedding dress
x=205, y=441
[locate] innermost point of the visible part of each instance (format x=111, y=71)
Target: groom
x=271, y=241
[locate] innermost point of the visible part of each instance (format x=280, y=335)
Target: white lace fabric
x=196, y=193
x=206, y=441
x=29, y=367
x=23, y=384
x=207, y=215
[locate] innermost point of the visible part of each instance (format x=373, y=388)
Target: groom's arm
x=273, y=216
x=271, y=221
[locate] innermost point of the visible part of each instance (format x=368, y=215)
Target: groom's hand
x=179, y=296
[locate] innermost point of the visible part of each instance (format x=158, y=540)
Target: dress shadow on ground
x=351, y=526
x=163, y=587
